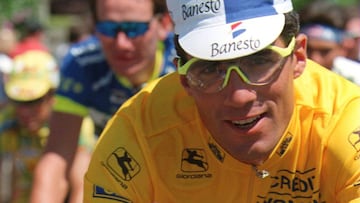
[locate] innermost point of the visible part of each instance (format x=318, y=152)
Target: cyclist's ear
x=166, y=26
x=300, y=55
x=183, y=80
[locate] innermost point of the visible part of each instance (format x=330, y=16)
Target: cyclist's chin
x=31, y=126
x=126, y=69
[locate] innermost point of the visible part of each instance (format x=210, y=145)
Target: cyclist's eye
x=208, y=70
x=264, y=59
x=203, y=68
x=215, y=68
x=258, y=63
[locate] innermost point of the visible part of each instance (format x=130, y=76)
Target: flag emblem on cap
x=235, y=29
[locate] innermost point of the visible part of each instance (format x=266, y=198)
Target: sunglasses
x=131, y=29
x=257, y=69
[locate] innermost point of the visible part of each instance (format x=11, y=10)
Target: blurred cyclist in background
x=30, y=85
x=133, y=46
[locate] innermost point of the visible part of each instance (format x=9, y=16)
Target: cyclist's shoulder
x=87, y=50
x=87, y=53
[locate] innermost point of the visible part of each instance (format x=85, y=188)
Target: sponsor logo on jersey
x=219, y=154
x=100, y=192
x=194, y=160
x=293, y=186
x=122, y=164
x=194, y=164
x=285, y=144
x=354, y=139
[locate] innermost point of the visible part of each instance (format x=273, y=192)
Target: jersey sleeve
x=342, y=168
x=118, y=170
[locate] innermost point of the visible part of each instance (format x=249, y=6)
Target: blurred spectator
x=324, y=23
x=30, y=36
x=349, y=65
x=77, y=32
x=352, y=27
x=7, y=39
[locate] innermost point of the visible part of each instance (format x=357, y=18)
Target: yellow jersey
x=156, y=149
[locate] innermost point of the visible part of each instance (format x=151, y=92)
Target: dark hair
x=77, y=32
x=28, y=27
x=159, y=8
x=291, y=29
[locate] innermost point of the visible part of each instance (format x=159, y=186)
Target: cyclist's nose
x=238, y=92
x=122, y=40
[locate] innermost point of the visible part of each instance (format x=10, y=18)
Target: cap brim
x=233, y=40
x=26, y=90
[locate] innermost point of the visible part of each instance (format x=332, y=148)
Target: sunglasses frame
x=131, y=29
x=283, y=52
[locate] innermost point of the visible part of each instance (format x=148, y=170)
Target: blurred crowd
x=30, y=74
x=333, y=37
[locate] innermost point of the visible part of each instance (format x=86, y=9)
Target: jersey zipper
x=250, y=188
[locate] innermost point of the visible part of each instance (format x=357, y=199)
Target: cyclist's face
x=33, y=115
x=249, y=120
x=130, y=56
x=324, y=52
